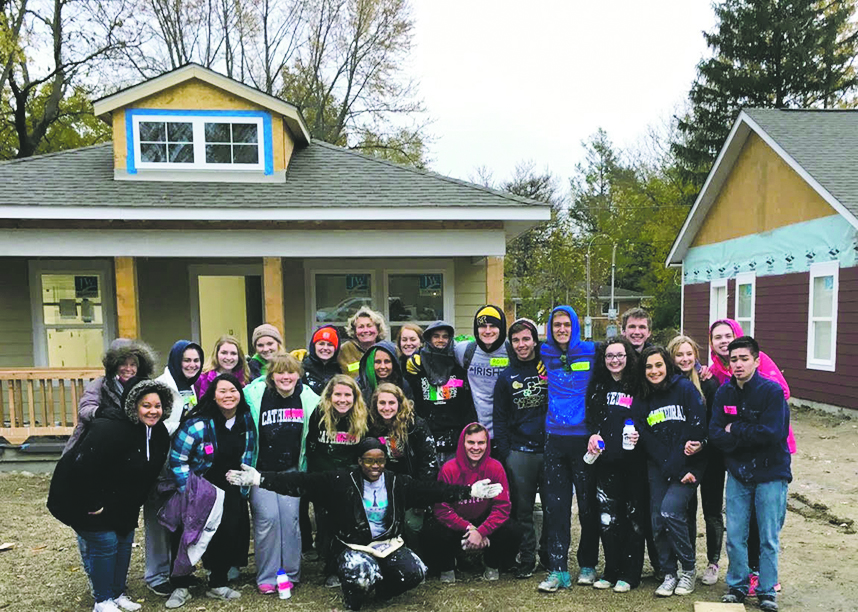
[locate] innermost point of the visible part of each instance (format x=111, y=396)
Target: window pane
x=338, y=296
x=720, y=302
x=244, y=132
x=151, y=131
x=155, y=153
x=217, y=132
x=745, y=295
x=218, y=154
x=416, y=297
x=822, y=340
x=245, y=154
x=823, y=296
x=181, y=153
x=71, y=299
x=180, y=132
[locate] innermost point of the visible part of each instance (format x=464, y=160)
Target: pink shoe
x=267, y=589
x=753, y=583
x=778, y=587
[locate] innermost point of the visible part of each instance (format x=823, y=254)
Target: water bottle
x=284, y=585
x=628, y=430
x=591, y=457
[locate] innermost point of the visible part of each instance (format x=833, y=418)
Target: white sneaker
x=448, y=577
x=602, y=584
x=127, y=604
x=223, y=593
x=179, y=598
x=685, y=584
x=710, y=574
x=622, y=587
x=491, y=574
x=106, y=606
x=667, y=587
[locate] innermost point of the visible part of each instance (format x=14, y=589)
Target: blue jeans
x=106, y=556
x=769, y=499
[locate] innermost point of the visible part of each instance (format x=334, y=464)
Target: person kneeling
x=472, y=525
x=367, y=508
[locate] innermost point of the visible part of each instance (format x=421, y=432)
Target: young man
x=637, y=327
x=569, y=364
x=484, y=359
x=750, y=423
x=520, y=405
x=473, y=524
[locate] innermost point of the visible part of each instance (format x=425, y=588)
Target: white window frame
x=746, y=278
x=198, y=124
x=817, y=270
x=713, y=296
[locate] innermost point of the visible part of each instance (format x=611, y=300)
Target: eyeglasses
x=374, y=462
x=617, y=357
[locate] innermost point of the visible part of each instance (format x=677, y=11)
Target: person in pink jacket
x=472, y=525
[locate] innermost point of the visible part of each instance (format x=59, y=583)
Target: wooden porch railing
x=41, y=401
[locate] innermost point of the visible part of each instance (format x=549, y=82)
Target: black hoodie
x=366, y=379
x=317, y=373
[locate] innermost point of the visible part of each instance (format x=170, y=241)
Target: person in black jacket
x=380, y=364
x=320, y=363
x=367, y=509
x=99, y=486
x=670, y=417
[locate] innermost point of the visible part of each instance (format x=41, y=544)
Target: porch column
x=127, y=309
x=494, y=281
x=272, y=292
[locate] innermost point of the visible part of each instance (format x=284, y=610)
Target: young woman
x=335, y=427
x=267, y=341
x=226, y=358
x=620, y=473
x=99, y=486
x=183, y=368
x=320, y=363
x=379, y=365
x=365, y=328
x=686, y=355
x=216, y=436
x=670, y=417
x=280, y=406
x=408, y=341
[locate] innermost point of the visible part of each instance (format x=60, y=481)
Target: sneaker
x=622, y=587
x=768, y=602
x=267, y=589
x=602, y=584
x=710, y=574
x=685, y=584
x=778, y=587
x=178, y=598
x=734, y=596
x=491, y=574
x=127, y=604
x=587, y=576
x=233, y=574
x=332, y=581
x=753, y=583
x=310, y=555
x=554, y=581
x=223, y=593
x=164, y=589
x=524, y=570
x=448, y=577
x=106, y=606
x=667, y=587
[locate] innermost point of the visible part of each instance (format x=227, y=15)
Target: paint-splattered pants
x=622, y=492
x=669, y=507
x=360, y=573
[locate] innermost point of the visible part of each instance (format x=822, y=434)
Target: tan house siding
x=762, y=193
x=470, y=292
x=294, y=289
x=16, y=326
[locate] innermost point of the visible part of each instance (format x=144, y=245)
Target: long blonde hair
x=398, y=430
x=241, y=366
x=673, y=349
x=358, y=416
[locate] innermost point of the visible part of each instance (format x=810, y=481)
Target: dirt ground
x=41, y=571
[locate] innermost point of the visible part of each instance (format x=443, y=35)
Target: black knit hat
x=368, y=444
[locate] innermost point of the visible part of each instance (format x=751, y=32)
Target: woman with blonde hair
x=226, y=358
x=409, y=340
x=365, y=328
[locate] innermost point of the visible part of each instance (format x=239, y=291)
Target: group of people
x=424, y=451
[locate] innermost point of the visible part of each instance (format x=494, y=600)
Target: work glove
x=482, y=489
x=245, y=477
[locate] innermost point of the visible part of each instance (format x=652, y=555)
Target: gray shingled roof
x=823, y=142
x=319, y=175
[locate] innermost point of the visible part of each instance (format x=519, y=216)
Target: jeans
x=157, y=544
x=770, y=500
x=106, y=556
x=525, y=472
x=669, y=509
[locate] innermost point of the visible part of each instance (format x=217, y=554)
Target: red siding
x=696, y=316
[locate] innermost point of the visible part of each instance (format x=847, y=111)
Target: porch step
x=37, y=454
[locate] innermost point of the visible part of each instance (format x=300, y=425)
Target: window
x=746, y=296
x=339, y=296
x=822, y=316
x=418, y=298
x=717, y=300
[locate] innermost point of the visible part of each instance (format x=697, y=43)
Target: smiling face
x=684, y=357
x=637, y=332
x=127, y=369
x=383, y=365
x=191, y=363
x=475, y=446
x=227, y=398
x=616, y=359
x=409, y=342
x=285, y=382
x=267, y=347
x=227, y=357
x=387, y=406
x=372, y=464
x=561, y=329
x=149, y=409
x=325, y=350
x=722, y=336
x=488, y=333
x=342, y=399
x=524, y=345
x=366, y=331
x=656, y=369
x=743, y=364
x=440, y=338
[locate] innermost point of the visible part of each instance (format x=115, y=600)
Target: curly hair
x=601, y=374
x=241, y=366
x=376, y=317
x=358, y=416
x=398, y=429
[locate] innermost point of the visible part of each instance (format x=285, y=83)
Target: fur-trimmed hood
x=123, y=348
x=132, y=395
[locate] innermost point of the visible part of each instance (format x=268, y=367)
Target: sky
x=509, y=81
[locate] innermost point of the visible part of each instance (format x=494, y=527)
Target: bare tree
x=11, y=19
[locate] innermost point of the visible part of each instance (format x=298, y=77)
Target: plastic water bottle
x=628, y=430
x=591, y=457
x=284, y=585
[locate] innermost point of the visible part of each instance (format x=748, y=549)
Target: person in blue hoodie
x=750, y=424
x=520, y=405
x=569, y=364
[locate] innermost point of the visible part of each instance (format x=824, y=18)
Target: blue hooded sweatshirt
x=567, y=382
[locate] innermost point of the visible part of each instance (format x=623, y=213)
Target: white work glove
x=246, y=477
x=483, y=490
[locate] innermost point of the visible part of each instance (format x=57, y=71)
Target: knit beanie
x=266, y=329
x=328, y=334
x=368, y=444
x=494, y=315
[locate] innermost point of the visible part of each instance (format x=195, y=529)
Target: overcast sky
x=513, y=80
